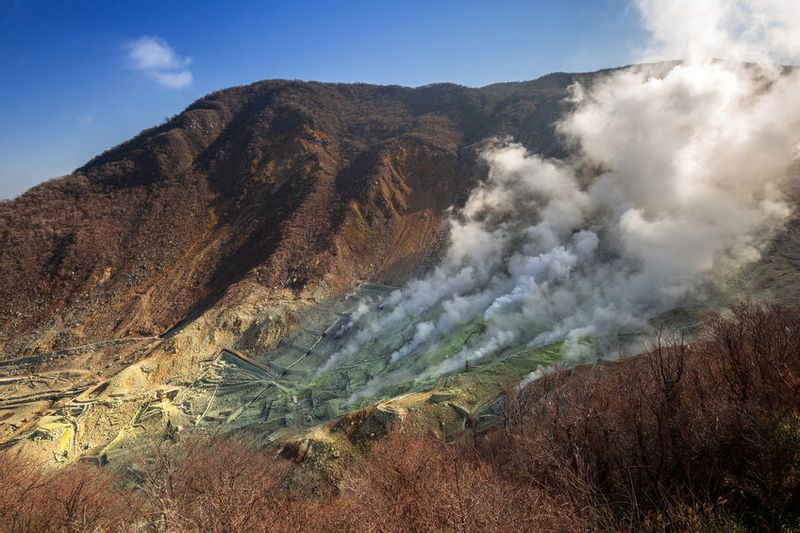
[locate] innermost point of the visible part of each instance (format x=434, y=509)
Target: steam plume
x=693, y=158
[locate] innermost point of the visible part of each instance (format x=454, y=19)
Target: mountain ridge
x=252, y=164
x=253, y=223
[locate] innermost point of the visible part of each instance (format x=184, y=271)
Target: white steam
x=737, y=30
x=692, y=160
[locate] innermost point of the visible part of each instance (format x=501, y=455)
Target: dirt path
x=65, y=352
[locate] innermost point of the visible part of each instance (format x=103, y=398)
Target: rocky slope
x=251, y=222
x=281, y=186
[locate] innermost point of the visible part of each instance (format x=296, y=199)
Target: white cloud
x=153, y=57
x=174, y=80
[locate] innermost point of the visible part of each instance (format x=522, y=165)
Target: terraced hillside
x=63, y=415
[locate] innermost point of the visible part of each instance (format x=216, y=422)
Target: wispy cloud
x=156, y=59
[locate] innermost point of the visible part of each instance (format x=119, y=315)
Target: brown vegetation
x=684, y=433
x=690, y=436
x=83, y=498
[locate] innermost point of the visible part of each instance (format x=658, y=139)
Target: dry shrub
x=223, y=484
x=659, y=438
x=412, y=482
x=406, y=482
x=79, y=498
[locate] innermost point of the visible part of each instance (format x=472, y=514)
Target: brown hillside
x=282, y=185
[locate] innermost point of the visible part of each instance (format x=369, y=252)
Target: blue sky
x=82, y=76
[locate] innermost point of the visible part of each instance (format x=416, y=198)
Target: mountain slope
x=203, y=274
x=283, y=185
